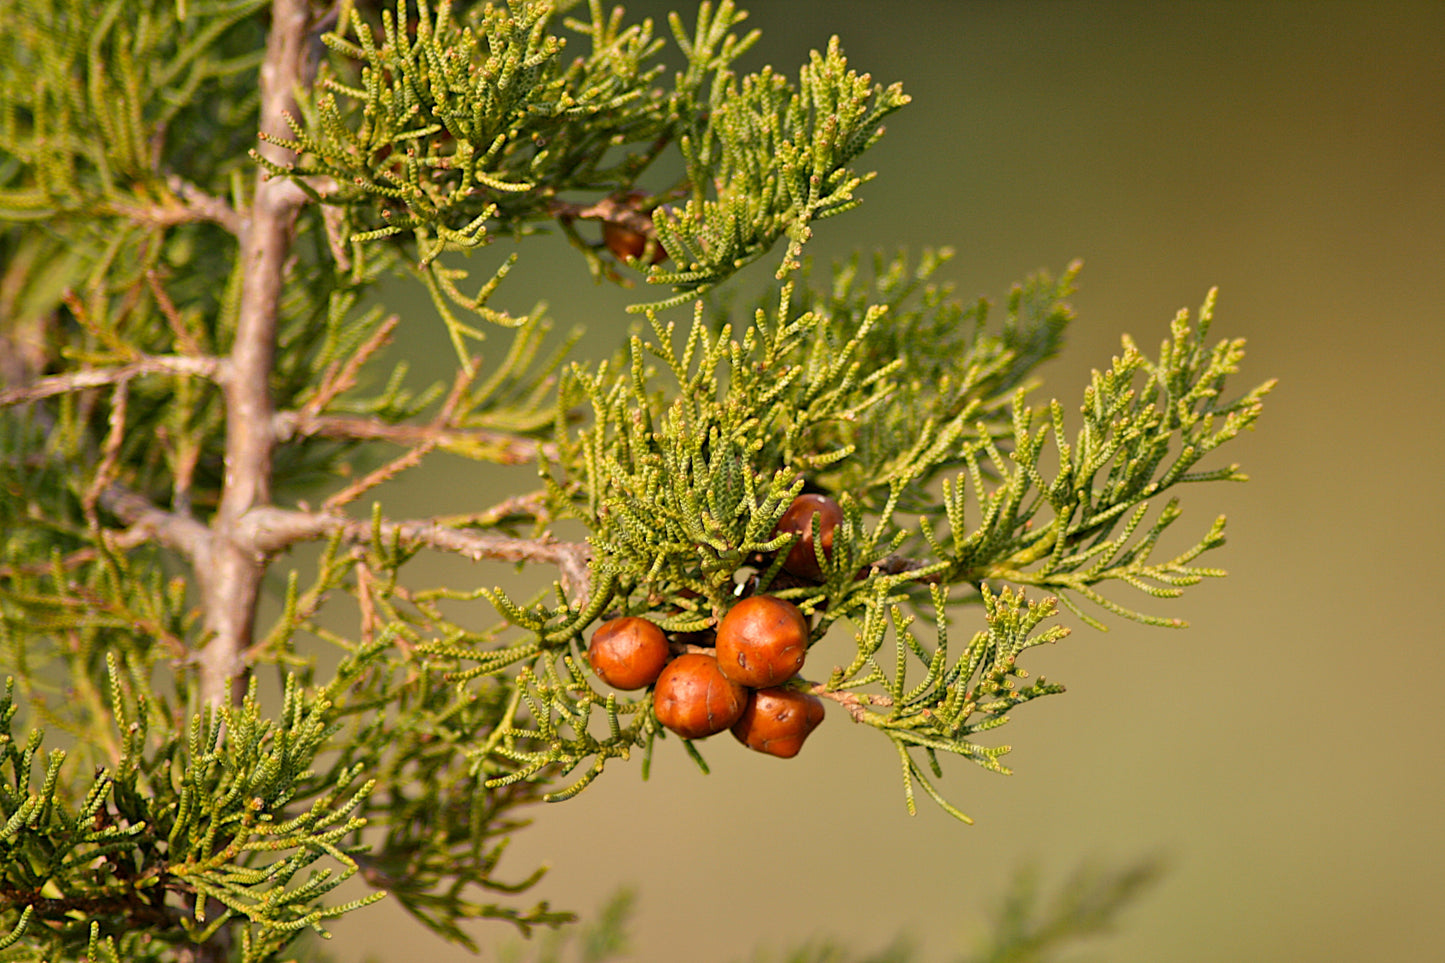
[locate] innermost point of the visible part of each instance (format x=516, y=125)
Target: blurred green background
x=1283, y=753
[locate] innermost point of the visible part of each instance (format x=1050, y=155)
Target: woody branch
x=231, y=583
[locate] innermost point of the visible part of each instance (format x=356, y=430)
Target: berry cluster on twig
x=742, y=677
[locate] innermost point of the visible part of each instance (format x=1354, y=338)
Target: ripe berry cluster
x=760, y=644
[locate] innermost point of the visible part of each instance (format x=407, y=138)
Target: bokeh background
x=1284, y=753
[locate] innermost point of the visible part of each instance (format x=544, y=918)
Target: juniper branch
x=189, y=537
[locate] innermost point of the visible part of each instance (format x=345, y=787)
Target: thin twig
x=530, y=505
x=570, y=557
x=363, y=597
x=200, y=367
x=341, y=378
x=273, y=529
x=195, y=205
x=333, y=218
x=856, y=703
x=178, y=532
x=110, y=451
x=502, y=447
x=898, y=564
x=186, y=339
x=383, y=474
x=207, y=206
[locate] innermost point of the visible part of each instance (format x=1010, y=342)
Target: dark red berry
x=627, y=244
x=694, y=699
x=798, y=520
x=776, y=721
x=762, y=641
x=628, y=653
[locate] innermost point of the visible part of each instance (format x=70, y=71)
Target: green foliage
x=778, y=158
x=106, y=99
x=944, y=361
x=1136, y=442
x=1028, y=926
x=442, y=833
x=448, y=130
x=603, y=937
x=472, y=118
x=682, y=487
x=183, y=834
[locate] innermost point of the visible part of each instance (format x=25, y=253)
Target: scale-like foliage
x=1137, y=441
x=106, y=98
x=698, y=442
x=184, y=832
x=777, y=158
x=447, y=129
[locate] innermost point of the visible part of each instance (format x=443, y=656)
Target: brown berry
x=627, y=244
x=802, y=559
x=762, y=641
x=628, y=653
x=776, y=721
x=694, y=699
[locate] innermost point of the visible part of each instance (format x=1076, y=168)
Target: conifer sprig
x=112, y=104
x=452, y=130
x=185, y=830
x=439, y=832
x=955, y=700
x=955, y=366
x=1147, y=424
x=469, y=117
x=699, y=441
x=772, y=159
